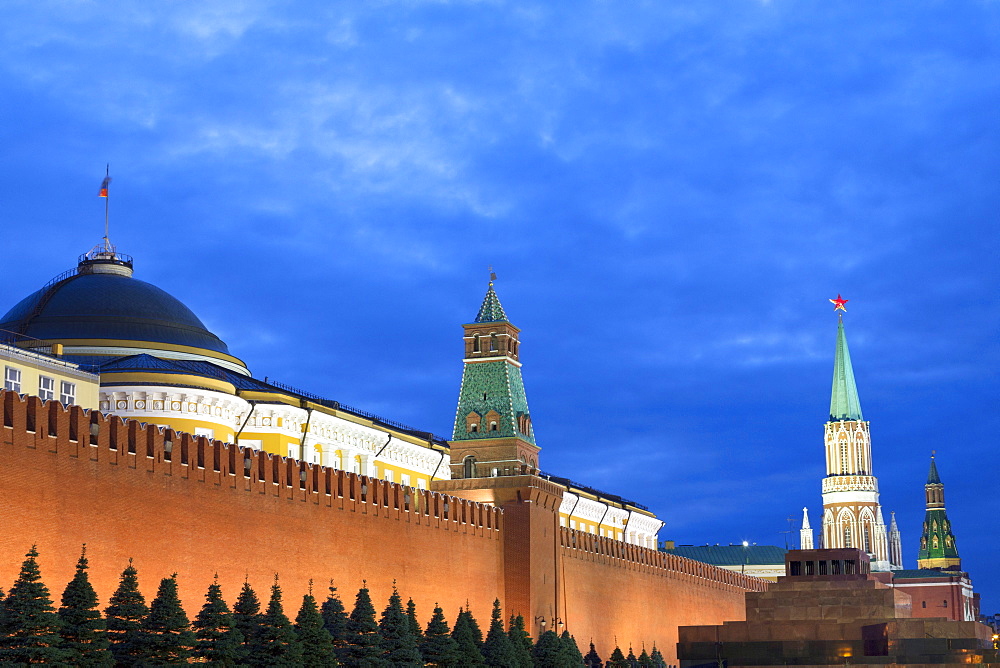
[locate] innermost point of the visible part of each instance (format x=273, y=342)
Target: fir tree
x=83, y=627
x=548, y=652
x=124, y=615
x=246, y=613
x=477, y=633
x=218, y=642
x=165, y=637
x=498, y=651
x=30, y=624
x=521, y=642
x=593, y=659
x=438, y=647
x=399, y=647
x=469, y=653
x=617, y=659
x=411, y=615
x=335, y=622
x=363, y=642
x=632, y=661
x=317, y=645
x=657, y=658
x=571, y=651
x=644, y=661
x=274, y=642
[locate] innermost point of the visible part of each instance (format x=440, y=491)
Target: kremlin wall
x=188, y=464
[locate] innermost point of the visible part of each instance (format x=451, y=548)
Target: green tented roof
x=491, y=310
x=844, y=401
x=932, y=477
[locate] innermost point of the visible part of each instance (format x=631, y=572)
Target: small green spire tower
x=492, y=424
x=937, y=544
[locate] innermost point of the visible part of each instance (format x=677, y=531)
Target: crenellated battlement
x=90, y=434
x=584, y=545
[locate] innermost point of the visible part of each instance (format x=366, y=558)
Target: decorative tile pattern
x=491, y=310
x=492, y=386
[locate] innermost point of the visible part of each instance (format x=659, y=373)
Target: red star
x=838, y=303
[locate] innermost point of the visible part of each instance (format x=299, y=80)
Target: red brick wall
x=70, y=477
x=613, y=589
x=122, y=497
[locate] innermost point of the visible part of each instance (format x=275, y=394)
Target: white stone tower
x=852, y=516
x=806, y=532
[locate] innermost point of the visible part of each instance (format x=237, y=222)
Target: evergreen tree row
x=132, y=634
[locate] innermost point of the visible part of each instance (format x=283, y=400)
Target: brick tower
x=852, y=516
x=495, y=460
x=492, y=434
x=937, y=544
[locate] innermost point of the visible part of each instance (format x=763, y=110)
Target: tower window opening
x=476, y=345
x=493, y=426
x=469, y=467
x=847, y=537
x=473, y=428
x=493, y=343
x=868, y=539
x=484, y=396
x=843, y=457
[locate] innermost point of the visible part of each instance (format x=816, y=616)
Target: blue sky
x=669, y=193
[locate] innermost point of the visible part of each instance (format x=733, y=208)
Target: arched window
x=843, y=456
x=476, y=345
x=847, y=537
x=493, y=343
x=469, y=467
x=868, y=539
x=493, y=426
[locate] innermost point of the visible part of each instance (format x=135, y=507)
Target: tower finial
x=839, y=303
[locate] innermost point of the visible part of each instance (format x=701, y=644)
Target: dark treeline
x=131, y=633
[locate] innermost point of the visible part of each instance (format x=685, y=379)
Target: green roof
x=732, y=555
x=844, y=401
x=491, y=310
x=923, y=573
x=932, y=477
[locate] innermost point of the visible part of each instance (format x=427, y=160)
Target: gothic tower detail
x=852, y=516
x=895, y=545
x=493, y=433
x=806, y=532
x=937, y=543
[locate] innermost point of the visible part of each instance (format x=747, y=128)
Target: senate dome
x=99, y=311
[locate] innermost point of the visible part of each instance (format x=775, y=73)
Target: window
x=476, y=346
x=923, y=604
x=388, y=475
x=493, y=343
x=404, y=479
x=202, y=431
x=46, y=388
x=67, y=392
x=12, y=379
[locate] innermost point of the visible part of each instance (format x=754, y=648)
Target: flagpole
x=107, y=177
